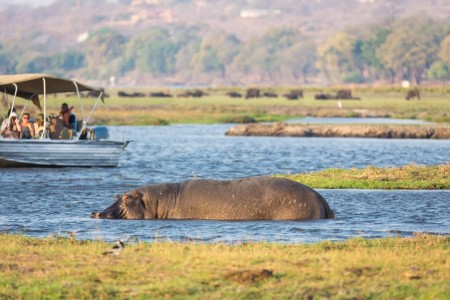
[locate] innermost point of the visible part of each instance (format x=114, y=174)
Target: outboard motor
x=101, y=133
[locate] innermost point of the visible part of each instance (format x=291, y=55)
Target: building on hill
x=253, y=13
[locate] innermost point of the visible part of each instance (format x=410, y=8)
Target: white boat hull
x=60, y=153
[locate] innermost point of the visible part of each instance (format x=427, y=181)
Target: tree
x=410, y=49
x=8, y=61
x=439, y=71
x=336, y=57
x=444, y=51
x=368, y=52
x=38, y=64
x=103, y=53
x=153, y=52
x=67, y=61
x=216, y=51
x=261, y=56
x=299, y=60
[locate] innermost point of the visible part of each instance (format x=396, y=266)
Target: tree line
x=415, y=49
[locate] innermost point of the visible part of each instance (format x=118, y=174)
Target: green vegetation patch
x=388, y=268
x=411, y=177
x=217, y=108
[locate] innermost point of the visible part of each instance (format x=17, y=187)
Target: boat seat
x=55, y=127
x=57, y=131
x=66, y=134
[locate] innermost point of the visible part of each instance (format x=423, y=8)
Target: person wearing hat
x=11, y=127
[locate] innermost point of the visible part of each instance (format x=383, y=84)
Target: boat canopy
x=32, y=84
x=29, y=86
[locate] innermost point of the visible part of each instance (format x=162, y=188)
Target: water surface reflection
x=39, y=202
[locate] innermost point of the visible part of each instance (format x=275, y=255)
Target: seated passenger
x=6, y=120
x=11, y=128
x=39, y=126
x=27, y=127
x=68, y=117
x=69, y=122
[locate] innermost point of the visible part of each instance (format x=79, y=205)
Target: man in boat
x=69, y=121
x=68, y=118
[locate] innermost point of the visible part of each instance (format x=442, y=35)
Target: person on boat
x=6, y=120
x=27, y=127
x=11, y=127
x=68, y=118
x=39, y=126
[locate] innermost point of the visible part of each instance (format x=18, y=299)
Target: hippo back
x=260, y=198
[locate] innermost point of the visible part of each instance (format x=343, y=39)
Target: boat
x=93, y=146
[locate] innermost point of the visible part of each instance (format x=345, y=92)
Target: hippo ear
x=137, y=194
x=116, y=197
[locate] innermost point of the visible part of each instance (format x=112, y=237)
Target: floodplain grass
x=414, y=267
x=219, y=108
x=410, y=177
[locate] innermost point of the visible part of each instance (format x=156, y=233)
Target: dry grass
x=390, y=268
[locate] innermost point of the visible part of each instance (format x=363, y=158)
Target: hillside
x=244, y=42
x=59, y=25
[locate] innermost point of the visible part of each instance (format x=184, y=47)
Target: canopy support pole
x=79, y=100
x=13, y=102
x=23, y=109
x=44, y=132
x=14, y=98
x=90, y=114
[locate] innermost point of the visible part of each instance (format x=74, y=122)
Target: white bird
x=116, y=249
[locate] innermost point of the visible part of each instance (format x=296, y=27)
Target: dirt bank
x=352, y=130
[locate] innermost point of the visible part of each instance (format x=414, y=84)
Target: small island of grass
x=410, y=177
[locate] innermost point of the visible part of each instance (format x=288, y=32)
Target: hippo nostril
x=95, y=215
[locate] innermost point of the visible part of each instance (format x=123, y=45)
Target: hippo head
x=129, y=205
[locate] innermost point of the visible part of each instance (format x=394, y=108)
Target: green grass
x=219, y=108
x=410, y=177
x=388, y=268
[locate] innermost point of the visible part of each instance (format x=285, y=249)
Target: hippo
x=252, y=93
x=294, y=94
x=253, y=198
x=414, y=93
x=234, y=94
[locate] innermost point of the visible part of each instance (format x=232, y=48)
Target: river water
x=43, y=201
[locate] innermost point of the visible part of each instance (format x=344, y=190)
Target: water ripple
x=40, y=202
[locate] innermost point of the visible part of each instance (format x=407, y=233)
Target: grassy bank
x=389, y=268
x=411, y=177
x=216, y=107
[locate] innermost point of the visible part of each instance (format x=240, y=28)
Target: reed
x=63, y=267
x=411, y=177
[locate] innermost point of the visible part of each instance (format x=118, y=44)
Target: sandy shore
x=351, y=130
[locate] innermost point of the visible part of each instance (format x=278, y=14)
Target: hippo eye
x=126, y=199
